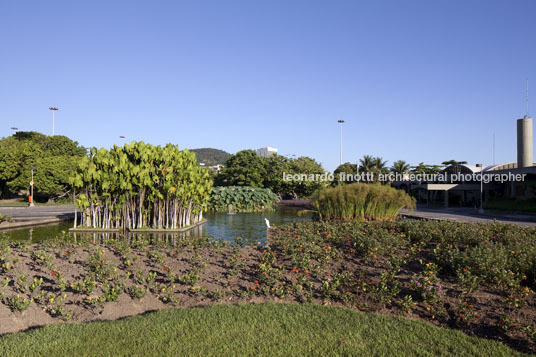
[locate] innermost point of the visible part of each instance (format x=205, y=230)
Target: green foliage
x=55, y=158
x=141, y=185
x=308, y=166
x=5, y=218
x=360, y=201
x=242, y=199
x=400, y=167
x=211, y=157
x=246, y=168
x=347, y=169
x=425, y=169
x=506, y=204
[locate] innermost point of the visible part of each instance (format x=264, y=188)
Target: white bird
x=267, y=222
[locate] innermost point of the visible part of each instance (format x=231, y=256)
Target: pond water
x=251, y=227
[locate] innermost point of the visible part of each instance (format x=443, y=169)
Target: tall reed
x=360, y=201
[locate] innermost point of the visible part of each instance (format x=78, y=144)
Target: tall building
x=266, y=151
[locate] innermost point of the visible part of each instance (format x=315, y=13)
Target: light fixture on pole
x=31, y=188
x=340, y=122
x=53, y=119
x=481, y=209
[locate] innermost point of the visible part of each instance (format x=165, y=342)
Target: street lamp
x=340, y=122
x=31, y=188
x=481, y=209
x=53, y=111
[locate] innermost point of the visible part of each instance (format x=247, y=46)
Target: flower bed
x=473, y=277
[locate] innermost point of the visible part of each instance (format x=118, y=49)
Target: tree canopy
x=141, y=185
x=55, y=158
x=211, y=157
x=246, y=168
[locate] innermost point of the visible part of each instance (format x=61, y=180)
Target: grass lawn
x=512, y=205
x=25, y=203
x=266, y=330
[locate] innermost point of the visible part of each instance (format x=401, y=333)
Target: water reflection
x=251, y=227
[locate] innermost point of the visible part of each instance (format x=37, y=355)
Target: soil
x=220, y=282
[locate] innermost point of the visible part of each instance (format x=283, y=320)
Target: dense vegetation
x=263, y=330
x=359, y=201
x=242, y=199
x=528, y=205
x=55, y=158
x=211, y=157
x=479, y=278
x=140, y=185
x=246, y=168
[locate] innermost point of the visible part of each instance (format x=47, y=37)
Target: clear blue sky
x=416, y=80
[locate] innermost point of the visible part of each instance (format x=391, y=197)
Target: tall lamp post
x=481, y=209
x=340, y=160
x=31, y=188
x=53, y=111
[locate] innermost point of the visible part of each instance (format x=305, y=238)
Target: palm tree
x=422, y=168
x=380, y=165
x=366, y=165
x=400, y=168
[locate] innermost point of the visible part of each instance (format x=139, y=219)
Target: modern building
x=266, y=151
x=503, y=179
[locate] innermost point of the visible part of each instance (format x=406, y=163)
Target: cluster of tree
x=141, y=185
x=376, y=166
x=246, y=168
x=211, y=157
x=54, y=157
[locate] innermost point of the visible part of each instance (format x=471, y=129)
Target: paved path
x=25, y=213
x=470, y=215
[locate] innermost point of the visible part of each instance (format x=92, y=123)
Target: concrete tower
x=524, y=142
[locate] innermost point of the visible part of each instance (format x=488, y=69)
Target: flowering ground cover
x=475, y=278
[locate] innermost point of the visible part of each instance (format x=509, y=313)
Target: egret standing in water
x=267, y=222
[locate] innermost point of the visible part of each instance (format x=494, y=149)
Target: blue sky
x=415, y=80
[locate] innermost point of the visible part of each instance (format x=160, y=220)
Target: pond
x=251, y=227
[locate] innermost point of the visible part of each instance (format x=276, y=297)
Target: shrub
x=242, y=199
x=360, y=201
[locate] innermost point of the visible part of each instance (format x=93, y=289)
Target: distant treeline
x=211, y=157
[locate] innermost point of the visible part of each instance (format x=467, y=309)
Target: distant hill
x=211, y=157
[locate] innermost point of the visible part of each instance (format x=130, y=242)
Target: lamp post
x=481, y=209
x=31, y=188
x=340, y=160
x=53, y=111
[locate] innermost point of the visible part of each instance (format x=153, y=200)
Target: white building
x=266, y=151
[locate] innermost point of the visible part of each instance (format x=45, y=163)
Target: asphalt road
x=37, y=213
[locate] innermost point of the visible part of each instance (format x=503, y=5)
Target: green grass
x=512, y=205
x=264, y=330
x=25, y=203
